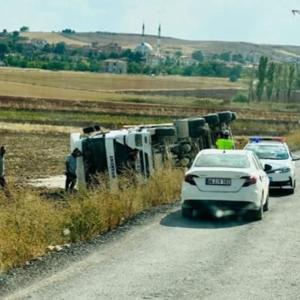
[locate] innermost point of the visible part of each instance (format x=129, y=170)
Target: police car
x=273, y=151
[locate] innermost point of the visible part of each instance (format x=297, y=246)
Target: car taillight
x=249, y=180
x=190, y=179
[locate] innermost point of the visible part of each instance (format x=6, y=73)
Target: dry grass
x=29, y=223
x=293, y=140
x=52, y=38
x=85, y=81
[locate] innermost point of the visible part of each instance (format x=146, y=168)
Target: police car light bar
x=257, y=139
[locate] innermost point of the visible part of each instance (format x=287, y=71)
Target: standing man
x=129, y=167
x=225, y=142
x=71, y=166
x=2, y=168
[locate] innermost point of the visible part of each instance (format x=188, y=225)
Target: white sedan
x=232, y=179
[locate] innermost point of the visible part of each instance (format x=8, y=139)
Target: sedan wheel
x=266, y=205
x=293, y=187
x=186, y=212
x=256, y=215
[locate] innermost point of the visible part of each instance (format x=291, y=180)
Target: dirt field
x=34, y=155
x=39, y=109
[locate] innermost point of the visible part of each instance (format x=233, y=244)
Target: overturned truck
x=144, y=148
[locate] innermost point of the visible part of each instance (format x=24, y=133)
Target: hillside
x=277, y=52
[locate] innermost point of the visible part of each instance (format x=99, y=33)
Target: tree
x=178, y=53
x=284, y=80
x=135, y=57
x=3, y=50
x=60, y=48
x=24, y=29
x=134, y=68
x=226, y=56
x=82, y=66
x=198, y=55
x=126, y=53
x=277, y=80
x=235, y=73
x=262, y=70
x=47, y=48
x=238, y=58
x=251, y=93
x=270, y=80
x=290, y=80
x=68, y=31
x=16, y=34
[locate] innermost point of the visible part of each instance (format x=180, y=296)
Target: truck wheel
x=225, y=116
x=234, y=116
x=212, y=119
x=165, y=132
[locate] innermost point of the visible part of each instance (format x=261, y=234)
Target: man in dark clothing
x=71, y=166
x=130, y=167
x=2, y=167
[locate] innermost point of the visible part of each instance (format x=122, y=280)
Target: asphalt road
x=168, y=257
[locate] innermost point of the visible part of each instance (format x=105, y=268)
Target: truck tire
x=195, y=127
x=165, y=132
x=234, y=116
x=225, y=116
x=212, y=119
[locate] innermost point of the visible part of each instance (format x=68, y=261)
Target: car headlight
x=283, y=170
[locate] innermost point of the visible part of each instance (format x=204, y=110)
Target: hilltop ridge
x=170, y=44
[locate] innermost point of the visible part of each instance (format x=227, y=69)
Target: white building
x=115, y=66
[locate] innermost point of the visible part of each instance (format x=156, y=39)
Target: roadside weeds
x=29, y=223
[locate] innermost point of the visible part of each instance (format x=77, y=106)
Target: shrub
x=241, y=98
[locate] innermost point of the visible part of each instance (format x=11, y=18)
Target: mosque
x=150, y=55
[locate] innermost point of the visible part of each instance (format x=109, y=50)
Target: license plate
x=218, y=181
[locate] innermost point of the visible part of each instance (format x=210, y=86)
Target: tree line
x=273, y=81
x=18, y=51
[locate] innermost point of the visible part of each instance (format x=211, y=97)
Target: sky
x=256, y=21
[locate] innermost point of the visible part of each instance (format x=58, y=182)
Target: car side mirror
x=267, y=168
x=295, y=158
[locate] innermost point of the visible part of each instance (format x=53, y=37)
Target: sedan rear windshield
x=222, y=160
x=277, y=152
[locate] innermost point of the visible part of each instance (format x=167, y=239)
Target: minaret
x=143, y=33
x=158, y=40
